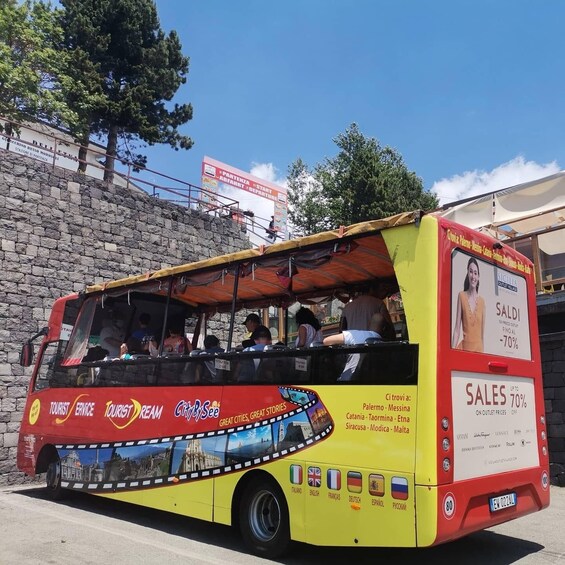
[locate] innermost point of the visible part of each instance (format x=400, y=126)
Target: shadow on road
x=481, y=547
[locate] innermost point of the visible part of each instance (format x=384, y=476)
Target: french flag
x=334, y=479
x=399, y=488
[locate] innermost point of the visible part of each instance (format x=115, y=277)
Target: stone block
x=556, y=431
x=555, y=418
x=8, y=245
x=10, y=439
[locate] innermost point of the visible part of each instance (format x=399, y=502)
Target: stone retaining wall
x=60, y=231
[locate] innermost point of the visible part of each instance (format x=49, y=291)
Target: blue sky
x=469, y=92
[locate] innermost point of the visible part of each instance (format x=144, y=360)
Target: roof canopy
x=308, y=267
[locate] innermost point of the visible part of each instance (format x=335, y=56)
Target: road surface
x=89, y=530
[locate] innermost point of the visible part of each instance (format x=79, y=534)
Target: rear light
x=445, y=424
x=446, y=444
x=446, y=464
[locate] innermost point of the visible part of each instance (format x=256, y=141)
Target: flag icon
x=334, y=479
x=314, y=477
x=296, y=474
x=376, y=485
x=399, y=488
x=354, y=481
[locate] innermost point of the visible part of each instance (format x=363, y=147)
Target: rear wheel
x=263, y=518
x=53, y=480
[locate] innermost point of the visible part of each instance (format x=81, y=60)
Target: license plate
x=502, y=502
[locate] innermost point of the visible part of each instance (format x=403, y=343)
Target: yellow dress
x=472, y=323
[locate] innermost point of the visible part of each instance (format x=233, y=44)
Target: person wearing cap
x=253, y=324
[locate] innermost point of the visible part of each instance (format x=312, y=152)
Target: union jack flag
x=314, y=477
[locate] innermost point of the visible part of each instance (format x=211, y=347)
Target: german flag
x=354, y=481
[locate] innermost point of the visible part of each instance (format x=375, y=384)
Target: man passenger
x=377, y=328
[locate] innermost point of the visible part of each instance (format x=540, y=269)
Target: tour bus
x=437, y=434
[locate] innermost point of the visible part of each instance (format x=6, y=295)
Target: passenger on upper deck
x=308, y=328
x=144, y=333
x=357, y=314
x=176, y=342
x=356, y=337
x=112, y=335
x=245, y=371
x=253, y=324
x=131, y=347
x=207, y=371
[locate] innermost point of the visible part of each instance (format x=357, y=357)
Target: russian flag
x=334, y=479
x=296, y=474
x=399, y=488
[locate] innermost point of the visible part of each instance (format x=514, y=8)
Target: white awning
x=518, y=210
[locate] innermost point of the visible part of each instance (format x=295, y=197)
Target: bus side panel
x=189, y=499
x=333, y=501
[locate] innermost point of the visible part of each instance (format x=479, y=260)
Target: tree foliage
x=133, y=68
x=32, y=66
x=307, y=207
x=95, y=67
x=364, y=181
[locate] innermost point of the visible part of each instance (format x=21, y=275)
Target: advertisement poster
x=489, y=308
x=216, y=176
x=494, y=424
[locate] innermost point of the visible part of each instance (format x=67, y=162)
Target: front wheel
x=53, y=480
x=263, y=518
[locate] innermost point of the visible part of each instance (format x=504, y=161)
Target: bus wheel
x=53, y=480
x=263, y=518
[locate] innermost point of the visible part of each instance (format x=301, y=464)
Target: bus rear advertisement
x=403, y=439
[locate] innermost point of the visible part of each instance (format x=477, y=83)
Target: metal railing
x=549, y=268
x=40, y=142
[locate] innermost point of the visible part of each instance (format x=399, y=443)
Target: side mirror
x=26, y=354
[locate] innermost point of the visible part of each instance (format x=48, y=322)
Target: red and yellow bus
x=437, y=434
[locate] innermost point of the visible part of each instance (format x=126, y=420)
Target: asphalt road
x=90, y=530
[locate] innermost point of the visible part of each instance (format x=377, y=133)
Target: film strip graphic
x=177, y=478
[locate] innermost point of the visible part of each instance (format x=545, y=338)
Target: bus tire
x=263, y=518
x=53, y=480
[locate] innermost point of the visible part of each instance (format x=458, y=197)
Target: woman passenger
x=309, y=329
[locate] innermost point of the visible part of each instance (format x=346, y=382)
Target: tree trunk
x=111, y=154
x=83, y=151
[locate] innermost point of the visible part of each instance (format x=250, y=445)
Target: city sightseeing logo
x=197, y=410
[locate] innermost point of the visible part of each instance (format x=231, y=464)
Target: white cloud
x=267, y=171
x=473, y=183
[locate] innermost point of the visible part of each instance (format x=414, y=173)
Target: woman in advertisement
x=470, y=316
